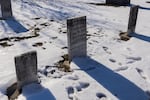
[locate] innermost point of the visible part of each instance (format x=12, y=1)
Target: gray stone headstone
x=6, y=9
x=118, y=2
x=132, y=19
x=76, y=33
x=26, y=68
x=0, y=12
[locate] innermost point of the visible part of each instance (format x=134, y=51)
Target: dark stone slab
x=118, y=2
x=76, y=32
x=26, y=68
x=132, y=19
x=6, y=8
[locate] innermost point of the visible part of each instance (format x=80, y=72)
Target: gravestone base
x=124, y=36
x=13, y=92
x=118, y=2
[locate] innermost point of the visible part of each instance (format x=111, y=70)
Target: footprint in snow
x=95, y=41
x=133, y=59
x=70, y=91
x=84, y=85
x=121, y=69
x=112, y=60
x=106, y=50
x=148, y=94
x=73, y=78
x=140, y=71
x=78, y=88
x=142, y=74
x=101, y=96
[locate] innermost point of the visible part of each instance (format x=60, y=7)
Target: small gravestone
x=26, y=68
x=132, y=19
x=76, y=33
x=118, y=2
x=6, y=9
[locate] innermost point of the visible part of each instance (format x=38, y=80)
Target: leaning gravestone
x=132, y=19
x=26, y=68
x=76, y=33
x=118, y=2
x=6, y=8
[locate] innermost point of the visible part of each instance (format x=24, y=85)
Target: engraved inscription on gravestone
x=76, y=33
x=118, y=2
x=132, y=19
x=6, y=9
x=26, y=68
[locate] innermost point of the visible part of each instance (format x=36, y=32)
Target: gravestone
x=76, y=33
x=6, y=9
x=0, y=12
x=118, y=2
x=26, y=68
x=132, y=19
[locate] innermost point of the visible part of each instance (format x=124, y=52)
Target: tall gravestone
x=118, y=2
x=26, y=68
x=132, y=19
x=76, y=33
x=6, y=9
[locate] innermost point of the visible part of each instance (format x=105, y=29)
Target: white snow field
x=113, y=70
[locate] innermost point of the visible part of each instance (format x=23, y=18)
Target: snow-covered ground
x=113, y=70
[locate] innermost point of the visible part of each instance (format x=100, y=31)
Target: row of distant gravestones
x=26, y=64
x=6, y=8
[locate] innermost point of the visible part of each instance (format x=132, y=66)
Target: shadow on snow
x=141, y=37
x=15, y=25
x=37, y=92
x=118, y=85
x=141, y=7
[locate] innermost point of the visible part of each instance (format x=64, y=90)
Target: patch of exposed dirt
x=64, y=64
x=104, y=4
x=147, y=1
x=64, y=47
x=44, y=24
x=13, y=92
x=38, y=44
x=124, y=36
x=18, y=38
x=5, y=44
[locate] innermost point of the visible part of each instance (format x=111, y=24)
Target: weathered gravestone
x=132, y=19
x=118, y=2
x=26, y=68
x=76, y=33
x=6, y=9
x=0, y=11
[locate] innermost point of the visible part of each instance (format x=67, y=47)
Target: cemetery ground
x=113, y=70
